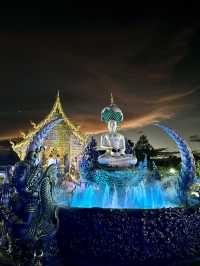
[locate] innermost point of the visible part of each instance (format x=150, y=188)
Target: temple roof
x=57, y=109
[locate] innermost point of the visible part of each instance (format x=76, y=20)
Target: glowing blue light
x=145, y=196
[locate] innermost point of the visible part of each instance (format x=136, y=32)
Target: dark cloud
x=195, y=138
x=5, y=146
x=140, y=132
x=150, y=63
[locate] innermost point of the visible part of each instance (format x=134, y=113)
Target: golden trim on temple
x=66, y=138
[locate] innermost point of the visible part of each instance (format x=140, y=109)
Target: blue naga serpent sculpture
x=187, y=172
x=30, y=216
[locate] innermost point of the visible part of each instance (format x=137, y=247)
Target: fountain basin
x=123, y=236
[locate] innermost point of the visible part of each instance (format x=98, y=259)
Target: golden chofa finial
x=111, y=99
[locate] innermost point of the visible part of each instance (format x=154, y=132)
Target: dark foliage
x=144, y=148
x=126, y=237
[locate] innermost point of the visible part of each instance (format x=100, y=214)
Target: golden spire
x=58, y=94
x=57, y=108
x=58, y=97
x=111, y=99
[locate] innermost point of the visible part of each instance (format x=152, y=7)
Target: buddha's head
x=111, y=112
x=112, y=126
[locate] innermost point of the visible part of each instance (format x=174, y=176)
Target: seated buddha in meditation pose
x=113, y=142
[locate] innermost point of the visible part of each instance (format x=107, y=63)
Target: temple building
x=64, y=142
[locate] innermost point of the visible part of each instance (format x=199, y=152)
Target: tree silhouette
x=89, y=159
x=143, y=147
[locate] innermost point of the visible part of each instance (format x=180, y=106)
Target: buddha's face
x=112, y=126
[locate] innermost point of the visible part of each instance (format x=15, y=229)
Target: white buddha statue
x=113, y=142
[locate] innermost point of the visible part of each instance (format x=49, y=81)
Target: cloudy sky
x=148, y=58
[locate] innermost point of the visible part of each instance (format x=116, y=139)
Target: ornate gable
x=21, y=147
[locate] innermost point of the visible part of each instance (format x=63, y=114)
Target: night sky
x=149, y=58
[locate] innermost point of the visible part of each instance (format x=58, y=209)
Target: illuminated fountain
x=114, y=179
x=122, y=211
